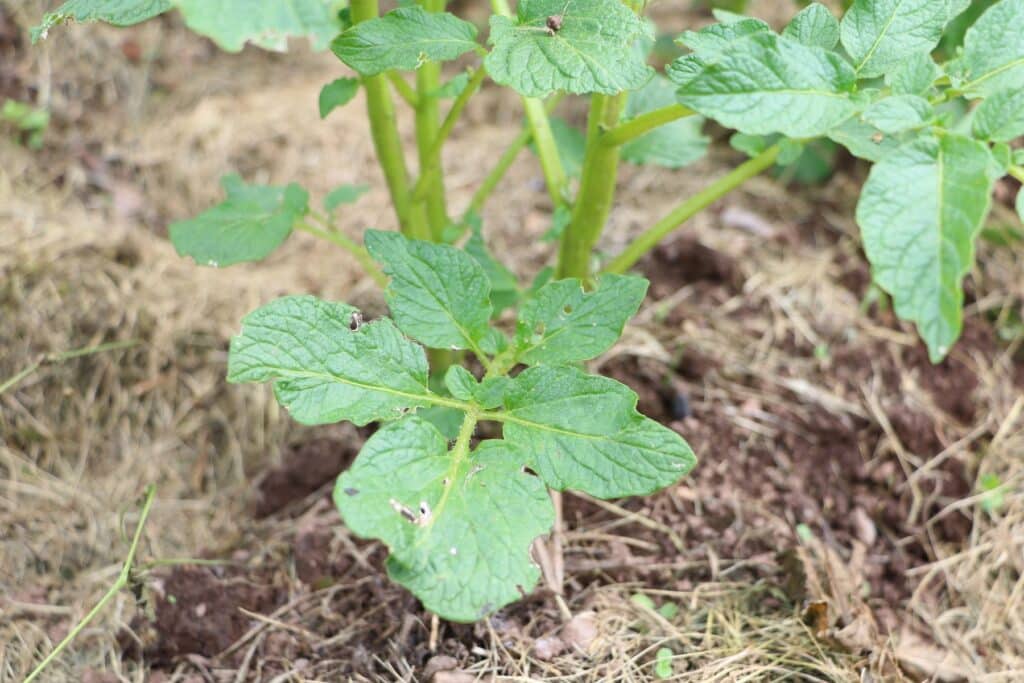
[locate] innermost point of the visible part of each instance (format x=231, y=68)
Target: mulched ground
x=832, y=531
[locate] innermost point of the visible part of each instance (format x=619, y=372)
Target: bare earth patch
x=835, y=529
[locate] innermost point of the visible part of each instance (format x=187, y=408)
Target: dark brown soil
x=306, y=467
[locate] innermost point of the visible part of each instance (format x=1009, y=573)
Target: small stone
x=548, y=647
x=581, y=631
x=438, y=664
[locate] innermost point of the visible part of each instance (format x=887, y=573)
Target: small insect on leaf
x=554, y=23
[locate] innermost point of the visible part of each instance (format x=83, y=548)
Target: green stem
x=428, y=117
x=691, y=207
x=122, y=580
x=597, y=190
x=404, y=90
x=1018, y=173
x=543, y=138
x=634, y=128
x=63, y=356
x=426, y=180
x=358, y=252
x=384, y=129
x=505, y=162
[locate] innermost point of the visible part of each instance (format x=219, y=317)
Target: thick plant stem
x=384, y=128
x=597, y=190
x=691, y=207
x=122, y=580
x=428, y=118
x=543, y=138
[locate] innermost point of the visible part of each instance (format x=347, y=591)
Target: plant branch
x=596, y=193
x=63, y=356
x=691, y=207
x=404, y=90
x=434, y=151
x=1018, y=173
x=412, y=218
x=122, y=580
x=505, y=162
x=358, y=252
x=634, y=128
x=544, y=139
x=430, y=189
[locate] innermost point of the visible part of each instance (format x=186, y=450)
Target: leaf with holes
x=563, y=324
x=323, y=370
x=458, y=525
x=583, y=432
x=567, y=46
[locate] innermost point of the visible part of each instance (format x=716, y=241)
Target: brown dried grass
x=79, y=441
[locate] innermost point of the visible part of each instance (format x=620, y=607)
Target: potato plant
x=458, y=516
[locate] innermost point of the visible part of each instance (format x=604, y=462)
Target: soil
x=835, y=459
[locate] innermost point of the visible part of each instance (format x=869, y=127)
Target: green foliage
x=993, y=54
x=252, y=222
x=404, y=39
x=575, y=47
x=674, y=145
x=229, y=23
x=116, y=12
x=29, y=121
x=459, y=523
x=768, y=84
x=879, y=34
x=336, y=94
x=920, y=212
x=815, y=26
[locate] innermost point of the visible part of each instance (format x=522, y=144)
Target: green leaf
x=751, y=145
x=454, y=87
x=248, y=225
x=914, y=76
x=582, y=432
x=344, y=194
x=920, y=212
x=116, y=12
x=323, y=370
x=685, y=69
x=404, y=39
x=505, y=290
x=674, y=145
x=1018, y=157
x=459, y=527
x=816, y=26
x=991, y=487
x=864, y=140
x=264, y=23
x=663, y=663
x=337, y=94
x=488, y=394
x=1020, y=204
x=592, y=50
x=438, y=294
x=1000, y=118
x=993, y=55
x=899, y=113
x=563, y=324
x=713, y=41
x=767, y=84
x=879, y=34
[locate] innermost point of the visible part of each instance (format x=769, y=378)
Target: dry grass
x=80, y=265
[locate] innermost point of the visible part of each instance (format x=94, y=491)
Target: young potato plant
x=458, y=516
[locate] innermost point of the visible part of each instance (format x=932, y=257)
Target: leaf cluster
x=459, y=517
